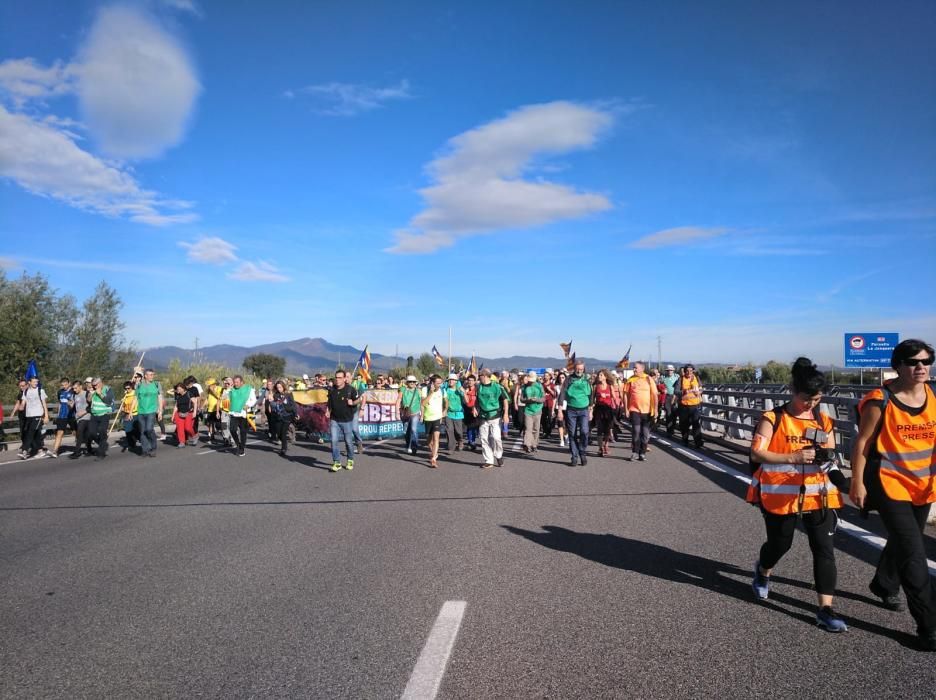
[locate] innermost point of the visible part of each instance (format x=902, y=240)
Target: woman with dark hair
x=183, y=415
x=796, y=477
x=282, y=413
x=894, y=472
x=607, y=402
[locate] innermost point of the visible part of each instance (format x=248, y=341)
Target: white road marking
x=848, y=528
x=430, y=666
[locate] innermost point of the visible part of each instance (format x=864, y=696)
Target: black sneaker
x=572, y=462
x=891, y=601
x=584, y=460
x=500, y=461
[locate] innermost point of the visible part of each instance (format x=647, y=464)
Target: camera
x=823, y=455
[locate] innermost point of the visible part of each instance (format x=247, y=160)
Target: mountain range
x=310, y=355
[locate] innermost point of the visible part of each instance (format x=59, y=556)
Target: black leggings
x=282, y=433
x=239, y=431
x=903, y=561
x=820, y=529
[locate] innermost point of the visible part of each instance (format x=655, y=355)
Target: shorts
x=432, y=426
x=65, y=424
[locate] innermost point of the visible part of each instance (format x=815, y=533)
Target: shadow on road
x=660, y=562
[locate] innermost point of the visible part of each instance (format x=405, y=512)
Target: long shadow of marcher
x=668, y=564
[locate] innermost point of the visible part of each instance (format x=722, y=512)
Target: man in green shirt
x=455, y=417
x=670, y=379
x=575, y=406
x=532, y=397
x=149, y=405
x=493, y=403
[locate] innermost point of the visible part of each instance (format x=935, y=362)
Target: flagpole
x=450, y=352
x=116, y=417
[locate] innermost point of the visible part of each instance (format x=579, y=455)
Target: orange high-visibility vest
x=905, y=443
x=691, y=391
x=777, y=487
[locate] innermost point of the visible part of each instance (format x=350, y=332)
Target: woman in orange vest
x=894, y=472
x=792, y=482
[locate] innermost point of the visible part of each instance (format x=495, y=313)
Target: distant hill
x=309, y=355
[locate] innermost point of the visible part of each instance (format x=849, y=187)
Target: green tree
x=776, y=373
x=426, y=365
x=98, y=346
x=265, y=365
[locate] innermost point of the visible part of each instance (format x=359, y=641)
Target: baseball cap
x=410, y=378
x=453, y=376
x=670, y=367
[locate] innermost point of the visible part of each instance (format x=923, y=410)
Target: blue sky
x=747, y=180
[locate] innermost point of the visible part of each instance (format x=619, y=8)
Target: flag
x=570, y=363
x=31, y=371
x=365, y=364
x=473, y=366
x=438, y=357
x=625, y=361
x=566, y=348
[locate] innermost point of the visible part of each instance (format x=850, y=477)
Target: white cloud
x=679, y=236
x=213, y=251
x=183, y=6
x=257, y=272
x=479, y=185
x=136, y=84
x=347, y=99
x=22, y=80
x=46, y=161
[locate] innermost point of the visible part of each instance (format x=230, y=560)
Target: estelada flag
x=566, y=348
x=365, y=364
x=625, y=361
x=570, y=363
x=473, y=366
x=438, y=357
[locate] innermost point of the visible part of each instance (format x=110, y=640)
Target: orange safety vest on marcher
x=691, y=392
x=777, y=487
x=905, y=443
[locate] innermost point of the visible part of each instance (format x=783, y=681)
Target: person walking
x=533, y=397
x=493, y=405
x=607, y=402
x=34, y=407
x=670, y=380
x=548, y=420
x=408, y=405
x=641, y=402
x=66, y=415
x=434, y=407
x=793, y=482
x=472, y=421
x=19, y=410
x=150, y=405
x=102, y=406
x=82, y=399
x=690, y=406
x=894, y=473
x=242, y=398
x=455, y=415
x=576, y=404
x=183, y=415
x=128, y=417
x=343, y=402
x=283, y=408
x=561, y=378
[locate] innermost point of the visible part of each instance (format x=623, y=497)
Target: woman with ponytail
x=796, y=478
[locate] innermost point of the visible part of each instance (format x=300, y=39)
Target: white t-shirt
x=36, y=400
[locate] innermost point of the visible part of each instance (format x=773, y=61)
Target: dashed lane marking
x=426, y=678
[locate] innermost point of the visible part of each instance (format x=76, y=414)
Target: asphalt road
x=199, y=574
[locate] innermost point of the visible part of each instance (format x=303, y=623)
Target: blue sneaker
x=760, y=583
x=829, y=621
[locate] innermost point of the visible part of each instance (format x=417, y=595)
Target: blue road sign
x=869, y=350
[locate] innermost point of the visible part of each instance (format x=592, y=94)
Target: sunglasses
x=914, y=361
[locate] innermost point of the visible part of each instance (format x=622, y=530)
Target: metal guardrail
x=735, y=409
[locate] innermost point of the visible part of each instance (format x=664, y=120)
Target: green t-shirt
x=455, y=409
x=147, y=395
x=490, y=400
x=670, y=383
x=578, y=392
x=238, y=397
x=533, y=391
